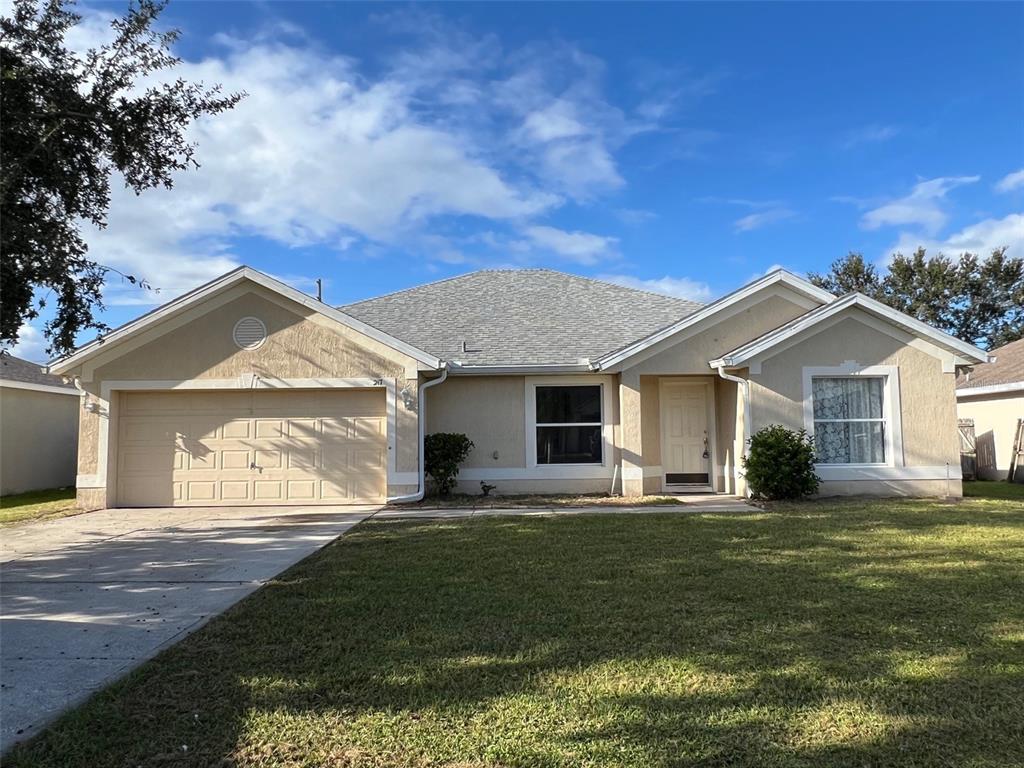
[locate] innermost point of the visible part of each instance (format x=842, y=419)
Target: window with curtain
x=568, y=425
x=849, y=419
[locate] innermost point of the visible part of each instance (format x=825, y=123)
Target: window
x=849, y=419
x=568, y=424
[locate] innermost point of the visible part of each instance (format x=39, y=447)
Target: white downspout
x=744, y=385
x=421, y=419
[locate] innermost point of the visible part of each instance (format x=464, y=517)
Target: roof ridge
x=448, y=279
x=500, y=270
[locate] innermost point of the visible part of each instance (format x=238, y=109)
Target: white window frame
x=556, y=470
x=891, y=412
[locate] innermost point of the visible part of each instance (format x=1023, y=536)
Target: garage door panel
x=150, y=461
x=366, y=459
x=235, y=491
x=205, y=429
x=367, y=428
x=238, y=429
x=302, y=490
x=269, y=491
x=269, y=459
x=303, y=459
x=308, y=447
x=203, y=460
x=235, y=459
x=201, y=490
x=269, y=428
x=303, y=428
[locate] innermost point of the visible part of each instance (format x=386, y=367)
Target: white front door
x=685, y=446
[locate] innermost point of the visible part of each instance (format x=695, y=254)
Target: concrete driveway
x=85, y=599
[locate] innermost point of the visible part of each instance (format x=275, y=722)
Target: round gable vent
x=250, y=333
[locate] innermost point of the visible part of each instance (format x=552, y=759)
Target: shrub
x=780, y=464
x=443, y=452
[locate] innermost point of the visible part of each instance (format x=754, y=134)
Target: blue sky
x=684, y=148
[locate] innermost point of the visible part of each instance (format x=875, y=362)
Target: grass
x=37, y=505
x=993, y=489
x=881, y=633
x=479, y=501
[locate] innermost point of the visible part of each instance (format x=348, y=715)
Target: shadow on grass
x=885, y=634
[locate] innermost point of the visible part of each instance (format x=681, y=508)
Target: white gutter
x=744, y=386
x=421, y=418
x=33, y=387
x=457, y=369
x=991, y=389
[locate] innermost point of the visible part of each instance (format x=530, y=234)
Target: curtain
x=849, y=426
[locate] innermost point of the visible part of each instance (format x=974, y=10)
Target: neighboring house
x=38, y=428
x=992, y=395
x=247, y=391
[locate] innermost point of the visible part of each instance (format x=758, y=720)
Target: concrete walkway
x=85, y=599
x=692, y=504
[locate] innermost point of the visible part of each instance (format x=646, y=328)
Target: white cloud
x=321, y=152
x=980, y=238
x=31, y=344
x=764, y=211
x=762, y=218
x=580, y=247
x=555, y=121
x=870, y=134
x=1011, y=181
x=680, y=287
x=634, y=216
x=922, y=207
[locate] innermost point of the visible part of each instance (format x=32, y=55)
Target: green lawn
x=37, y=505
x=887, y=633
x=991, y=489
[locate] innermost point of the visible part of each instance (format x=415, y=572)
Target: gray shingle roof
x=1007, y=369
x=15, y=369
x=520, y=317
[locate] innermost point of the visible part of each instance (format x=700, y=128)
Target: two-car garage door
x=251, y=447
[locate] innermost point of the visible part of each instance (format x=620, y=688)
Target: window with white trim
x=568, y=424
x=850, y=419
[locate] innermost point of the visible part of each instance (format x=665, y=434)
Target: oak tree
x=71, y=119
x=978, y=300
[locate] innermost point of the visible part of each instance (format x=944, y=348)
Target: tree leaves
x=979, y=301
x=71, y=120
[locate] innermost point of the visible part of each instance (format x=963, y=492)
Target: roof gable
x=779, y=277
x=764, y=345
x=205, y=292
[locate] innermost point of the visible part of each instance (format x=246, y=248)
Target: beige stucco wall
x=490, y=410
x=650, y=414
x=995, y=425
x=927, y=398
x=909, y=488
x=714, y=338
x=300, y=344
x=729, y=436
x=38, y=439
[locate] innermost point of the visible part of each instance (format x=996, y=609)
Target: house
x=38, y=428
x=248, y=391
x=992, y=396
